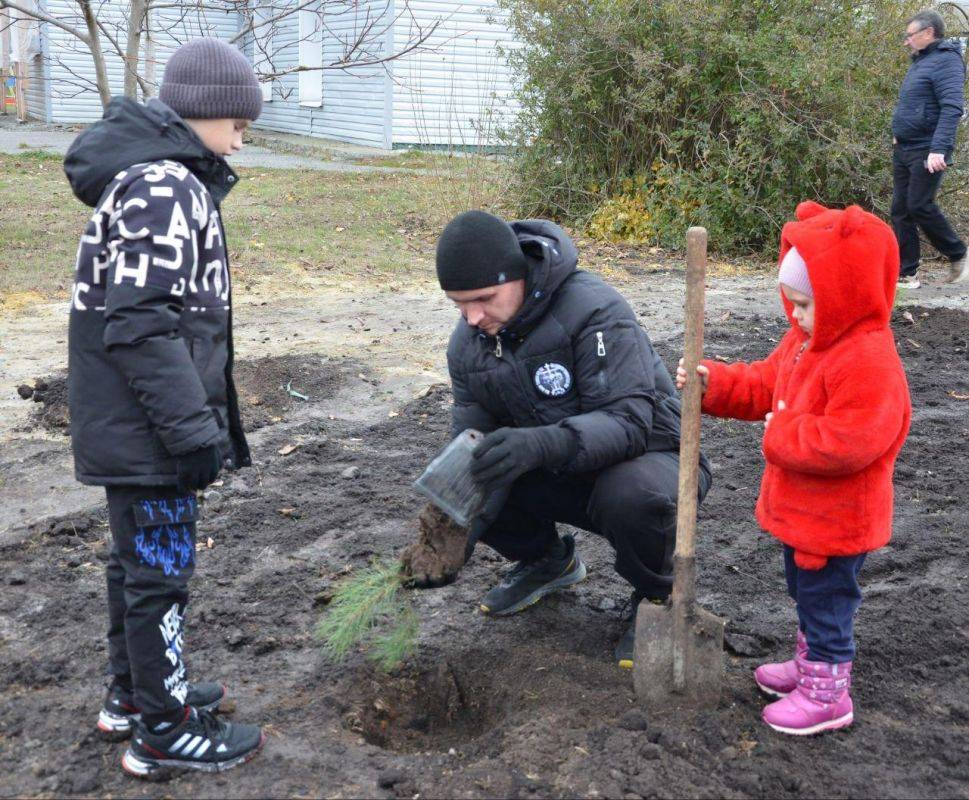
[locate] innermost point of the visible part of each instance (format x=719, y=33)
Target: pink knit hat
x=794, y=273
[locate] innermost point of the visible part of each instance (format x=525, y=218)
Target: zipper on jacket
x=497, y=347
x=600, y=345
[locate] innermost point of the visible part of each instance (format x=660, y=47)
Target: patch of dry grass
x=292, y=231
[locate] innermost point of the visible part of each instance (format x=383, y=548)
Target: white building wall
x=355, y=102
x=70, y=67
x=455, y=95
x=461, y=91
x=36, y=93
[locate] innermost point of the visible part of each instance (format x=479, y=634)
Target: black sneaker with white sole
x=119, y=709
x=529, y=581
x=202, y=741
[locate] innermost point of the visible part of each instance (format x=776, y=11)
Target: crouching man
x=582, y=417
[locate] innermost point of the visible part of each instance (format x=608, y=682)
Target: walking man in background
x=930, y=105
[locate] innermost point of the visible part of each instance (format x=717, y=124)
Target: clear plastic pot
x=447, y=480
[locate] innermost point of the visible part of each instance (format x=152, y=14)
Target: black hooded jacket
x=931, y=99
x=150, y=352
x=574, y=356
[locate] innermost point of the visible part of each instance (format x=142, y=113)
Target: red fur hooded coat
x=827, y=485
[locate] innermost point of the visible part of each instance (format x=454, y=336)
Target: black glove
x=198, y=469
x=509, y=453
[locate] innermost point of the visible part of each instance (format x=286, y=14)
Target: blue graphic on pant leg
x=164, y=510
x=167, y=546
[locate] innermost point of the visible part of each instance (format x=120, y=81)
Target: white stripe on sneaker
x=112, y=722
x=187, y=750
x=181, y=740
x=202, y=748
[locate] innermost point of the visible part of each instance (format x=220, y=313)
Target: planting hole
x=430, y=710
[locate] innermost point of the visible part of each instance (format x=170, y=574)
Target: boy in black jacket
x=154, y=413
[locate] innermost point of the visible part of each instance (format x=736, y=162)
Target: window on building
x=310, y=57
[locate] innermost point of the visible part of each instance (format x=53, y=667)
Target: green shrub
x=643, y=118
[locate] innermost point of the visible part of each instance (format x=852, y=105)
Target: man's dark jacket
x=930, y=102
x=150, y=353
x=574, y=356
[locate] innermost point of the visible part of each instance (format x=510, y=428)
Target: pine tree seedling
x=370, y=609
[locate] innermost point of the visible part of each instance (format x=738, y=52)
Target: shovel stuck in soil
x=679, y=647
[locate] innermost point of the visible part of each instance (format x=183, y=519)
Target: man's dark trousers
x=632, y=504
x=914, y=207
x=152, y=558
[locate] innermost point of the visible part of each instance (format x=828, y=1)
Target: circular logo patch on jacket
x=553, y=380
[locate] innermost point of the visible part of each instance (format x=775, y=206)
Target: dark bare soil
x=269, y=390
x=530, y=706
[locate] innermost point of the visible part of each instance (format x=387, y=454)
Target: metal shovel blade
x=664, y=677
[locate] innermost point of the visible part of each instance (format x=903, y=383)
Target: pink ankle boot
x=819, y=702
x=779, y=679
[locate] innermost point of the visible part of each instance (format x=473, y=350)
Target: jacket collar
x=131, y=133
x=931, y=47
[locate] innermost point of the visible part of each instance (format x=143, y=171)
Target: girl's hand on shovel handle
x=701, y=370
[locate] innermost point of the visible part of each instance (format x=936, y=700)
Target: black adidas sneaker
x=202, y=741
x=118, y=711
x=529, y=581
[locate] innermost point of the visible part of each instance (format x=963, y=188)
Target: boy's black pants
x=152, y=558
x=914, y=207
x=632, y=504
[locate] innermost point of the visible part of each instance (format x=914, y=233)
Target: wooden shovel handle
x=686, y=508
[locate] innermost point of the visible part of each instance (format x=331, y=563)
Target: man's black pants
x=632, y=504
x=151, y=561
x=914, y=207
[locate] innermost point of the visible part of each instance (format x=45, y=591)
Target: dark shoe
x=626, y=648
x=118, y=711
x=529, y=581
x=202, y=741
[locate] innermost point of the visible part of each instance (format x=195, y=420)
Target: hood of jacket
x=131, y=133
x=852, y=261
x=552, y=258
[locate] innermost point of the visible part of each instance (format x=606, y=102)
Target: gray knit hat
x=209, y=79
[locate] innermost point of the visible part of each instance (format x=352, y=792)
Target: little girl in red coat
x=836, y=410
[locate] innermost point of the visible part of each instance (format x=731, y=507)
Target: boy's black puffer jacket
x=150, y=345
x=574, y=356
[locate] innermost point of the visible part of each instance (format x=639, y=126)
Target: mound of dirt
x=270, y=389
x=525, y=706
x=51, y=393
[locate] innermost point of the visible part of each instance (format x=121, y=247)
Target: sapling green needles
x=369, y=609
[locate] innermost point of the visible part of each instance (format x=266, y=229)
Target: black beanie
x=478, y=249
